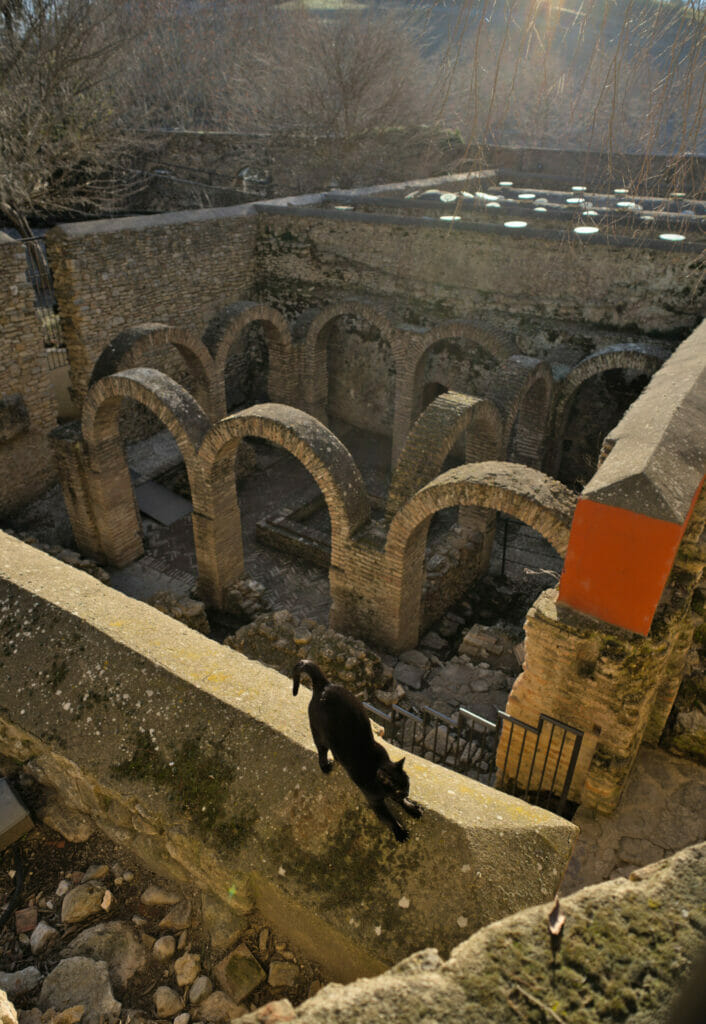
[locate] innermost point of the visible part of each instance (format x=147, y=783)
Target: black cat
x=340, y=724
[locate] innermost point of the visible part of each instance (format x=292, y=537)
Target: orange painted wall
x=618, y=563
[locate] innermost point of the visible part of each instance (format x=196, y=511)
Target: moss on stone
x=198, y=784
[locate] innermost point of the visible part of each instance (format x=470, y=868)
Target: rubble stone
x=80, y=980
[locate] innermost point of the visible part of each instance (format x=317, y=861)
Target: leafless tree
x=627, y=77
x=61, y=140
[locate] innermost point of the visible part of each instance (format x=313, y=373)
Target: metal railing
x=536, y=765
x=552, y=744
x=39, y=276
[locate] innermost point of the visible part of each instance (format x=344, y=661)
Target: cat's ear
x=400, y=764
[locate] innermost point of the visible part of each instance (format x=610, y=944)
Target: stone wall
x=432, y=270
x=27, y=405
x=179, y=269
x=654, y=174
x=201, y=761
x=207, y=168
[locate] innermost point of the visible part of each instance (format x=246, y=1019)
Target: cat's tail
x=318, y=679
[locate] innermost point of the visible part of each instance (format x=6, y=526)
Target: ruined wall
x=430, y=270
x=178, y=269
x=209, y=168
x=654, y=175
x=202, y=762
x=27, y=405
x=608, y=653
x=361, y=376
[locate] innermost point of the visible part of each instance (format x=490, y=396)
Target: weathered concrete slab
x=160, y=503
x=202, y=762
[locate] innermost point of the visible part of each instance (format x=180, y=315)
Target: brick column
x=218, y=537
x=113, y=503
x=74, y=476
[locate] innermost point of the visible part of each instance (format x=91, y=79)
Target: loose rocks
x=239, y=973
x=82, y=902
x=115, y=943
x=167, y=1002
x=200, y=990
x=80, y=980
x=186, y=968
x=20, y=983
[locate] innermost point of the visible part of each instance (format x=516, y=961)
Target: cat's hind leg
x=319, y=737
x=379, y=807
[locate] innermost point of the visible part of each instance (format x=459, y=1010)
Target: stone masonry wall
x=27, y=405
x=179, y=269
x=436, y=271
x=201, y=761
x=618, y=687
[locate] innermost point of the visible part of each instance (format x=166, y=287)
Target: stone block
x=239, y=973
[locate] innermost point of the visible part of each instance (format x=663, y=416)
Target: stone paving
x=662, y=810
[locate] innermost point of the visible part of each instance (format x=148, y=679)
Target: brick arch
x=523, y=389
x=225, y=330
x=131, y=345
x=527, y=494
x=313, y=328
x=645, y=359
x=433, y=437
x=111, y=494
x=216, y=505
x=412, y=344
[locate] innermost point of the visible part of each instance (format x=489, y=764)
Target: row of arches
x=416, y=365
x=375, y=590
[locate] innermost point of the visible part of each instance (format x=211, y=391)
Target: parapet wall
x=202, y=762
x=464, y=269
x=27, y=406
x=655, y=174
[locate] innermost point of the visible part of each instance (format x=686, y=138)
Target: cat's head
x=394, y=778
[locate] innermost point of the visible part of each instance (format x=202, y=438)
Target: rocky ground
x=96, y=938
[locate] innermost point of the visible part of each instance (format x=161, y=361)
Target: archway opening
x=286, y=531
x=361, y=396
x=246, y=369
x=597, y=406
x=473, y=610
x=162, y=495
x=452, y=364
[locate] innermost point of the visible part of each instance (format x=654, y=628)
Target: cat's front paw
x=326, y=766
x=401, y=834
x=413, y=809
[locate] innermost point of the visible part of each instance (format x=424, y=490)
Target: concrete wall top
x=149, y=221
x=133, y=714
x=657, y=453
x=631, y=517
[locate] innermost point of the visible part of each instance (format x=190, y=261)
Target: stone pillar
x=402, y=420
x=218, y=538
x=74, y=477
x=113, y=503
x=371, y=600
